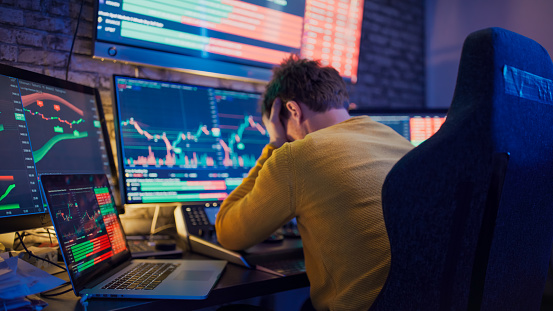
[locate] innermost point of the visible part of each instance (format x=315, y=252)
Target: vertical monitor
x=47, y=126
x=415, y=125
x=180, y=142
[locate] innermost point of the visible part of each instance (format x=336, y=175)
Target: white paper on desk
x=19, y=278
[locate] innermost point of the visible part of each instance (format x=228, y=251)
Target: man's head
x=307, y=82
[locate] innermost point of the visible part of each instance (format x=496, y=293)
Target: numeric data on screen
x=19, y=189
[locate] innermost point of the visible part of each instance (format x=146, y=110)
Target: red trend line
x=151, y=160
x=226, y=161
x=31, y=98
x=138, y=128
x=49, y=119
x=257, y=126
x=169, y=158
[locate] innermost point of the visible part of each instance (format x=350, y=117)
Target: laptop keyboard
x=145, y=276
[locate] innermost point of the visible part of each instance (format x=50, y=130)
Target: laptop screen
x=87, y=225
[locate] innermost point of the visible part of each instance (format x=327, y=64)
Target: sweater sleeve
x=261, y=204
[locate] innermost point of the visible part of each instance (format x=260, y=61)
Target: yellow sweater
x=331, y=182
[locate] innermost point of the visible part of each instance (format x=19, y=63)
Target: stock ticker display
x=253, y=32
x=183, y=142
x=415, y=125
x=44, y=129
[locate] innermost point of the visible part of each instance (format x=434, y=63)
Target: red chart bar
x=103, y=198
x=6, y=178
x=255, y=22
x=103, y=257
x=423, y=128
x=332, y=32
x=209, y=185
x=220, y=196
x=245, y=51
x=99, y=244
x=115, y=233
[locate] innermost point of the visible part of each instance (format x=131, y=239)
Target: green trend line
x=10, y=188
x=40, y=153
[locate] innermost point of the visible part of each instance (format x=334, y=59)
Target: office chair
x=469, y=212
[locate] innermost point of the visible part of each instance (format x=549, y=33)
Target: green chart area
x=40, y=153
x=3, y=196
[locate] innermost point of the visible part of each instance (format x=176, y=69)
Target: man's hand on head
x=276, y=130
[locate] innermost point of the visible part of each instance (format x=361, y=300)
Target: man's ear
x=295, y=110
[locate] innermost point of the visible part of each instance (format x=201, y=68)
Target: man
x=326, y=169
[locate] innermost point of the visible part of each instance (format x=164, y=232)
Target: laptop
x=96, y=253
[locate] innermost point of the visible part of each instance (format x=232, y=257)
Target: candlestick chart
x=168, y=147
x=242, y=133
x=185, y=142
x=199, y=148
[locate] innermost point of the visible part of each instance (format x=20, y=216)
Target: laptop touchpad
x=194, y=275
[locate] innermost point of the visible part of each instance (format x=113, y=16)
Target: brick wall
x=36, y=35
x=391, y=62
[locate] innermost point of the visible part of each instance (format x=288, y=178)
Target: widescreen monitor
x=236, y=38
x=47, y=126
x=179, y=142
x=416, y=125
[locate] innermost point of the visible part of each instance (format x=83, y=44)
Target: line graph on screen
x=52, y=120
x=200, y=147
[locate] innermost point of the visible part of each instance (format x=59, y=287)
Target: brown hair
x=308, y=82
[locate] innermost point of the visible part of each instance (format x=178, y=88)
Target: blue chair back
x=469, y=212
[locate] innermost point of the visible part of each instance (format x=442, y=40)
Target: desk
x=236, y=283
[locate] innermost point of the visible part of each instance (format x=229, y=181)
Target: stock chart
x=65, y=129
x=184, y=142
x=88, y=220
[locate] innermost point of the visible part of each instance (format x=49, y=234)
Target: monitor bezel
x=41, y=220
x=400, y=111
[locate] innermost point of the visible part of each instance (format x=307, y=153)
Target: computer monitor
x=231, y=38
x=184, y=143
x=416, y=125
x=47, y=126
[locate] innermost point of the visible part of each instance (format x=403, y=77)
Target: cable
x=165, y=227
x=73, y=42
x=56, y=294
x=36, y=257
x=49, y=236
x=15, y=247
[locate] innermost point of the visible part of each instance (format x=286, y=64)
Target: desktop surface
x=236, y=283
